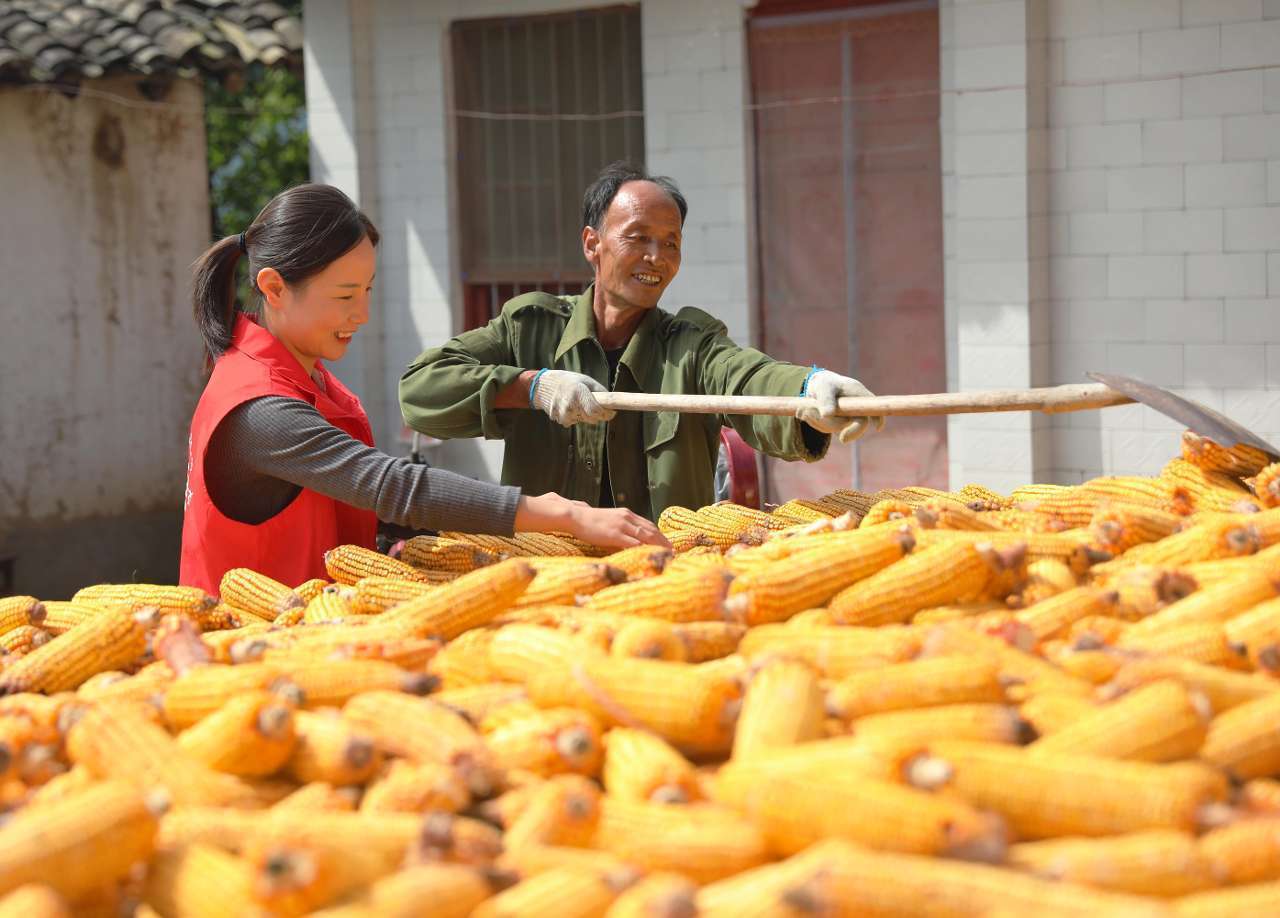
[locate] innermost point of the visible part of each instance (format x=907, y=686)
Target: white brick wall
x=376, y=80
x=1164, y=203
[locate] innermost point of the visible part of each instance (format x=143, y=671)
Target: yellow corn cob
x=1075, y=506
x=24, y=639
x=851, y=881
x=561, y=811
x=1049, y=712
x=1195, y=489
x=946, y=514
x=549, y=742
x=80, y=844
x=695, y=595
x=1089, y=634
x=1258, y=631
x=321, y=796
x=119, y=742
x=1160, y=862
x=1024, y=673
x=550, y=544
x=859, y=502
x=449, y=555
x=468, y=602
x=1245, y=852
x=330, y=606
x=698, y=558
x=650, y=638
x=34, y=900
x=291, y=879
x=1142, y=591
x=835, y=651
x=1046, y=577
x=750, y=517
x=423, y=731
x=563, y=585
x=639, y=765
x=1245, y=741
x=1206, y=642
x=658, y=895
x=389, y=835
x=640, y=561
x=1260, y=796
x=206, y=688
x=516, y=653
x=416, y=788
x=988, y=499
x=1223, y=688
x=183, y=600
x=802, y=803
x=805, y=511
x=562, y=892
x=932, y=577
x=1026, y=521
x=330, y=750
x=784, y=888
x=886, y=511
x=257, y=593
x=16, y=611
x=918, y=684
x=1254, y=899
x=686, y=540
x=702, y=842
x=465, y=660
x=453, y=890
x=200, y=881
x=61, y=617
x=1041, y=795
x=994, y=723
x=1118, y=527
x=705, y=641
x=812, y=577
x=474, y=702
x=378, y=594
x=1214, y=604
x=1266, y=486
x=308, y=589
x=783, y=706
x=331, y=683
x=112, y=640
x=251, y=735
x=1237, y=461
x=1053, y=616
x=349, y=563
x=178, y=644
x=722, y=530
x=220, y=643
x=1071, y=547
x=1160, y=722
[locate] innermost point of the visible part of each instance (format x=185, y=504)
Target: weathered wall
x=106, y=206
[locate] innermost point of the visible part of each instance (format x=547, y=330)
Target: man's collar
x=640, y=354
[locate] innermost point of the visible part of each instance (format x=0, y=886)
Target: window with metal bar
x=540, y=104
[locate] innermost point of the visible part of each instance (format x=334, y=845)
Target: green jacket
x=655, y=460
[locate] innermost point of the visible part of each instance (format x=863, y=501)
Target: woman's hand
x=610, y=528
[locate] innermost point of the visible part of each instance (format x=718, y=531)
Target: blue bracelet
x=804, y=388
x=534, y=385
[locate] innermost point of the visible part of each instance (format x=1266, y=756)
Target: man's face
x=636, y=251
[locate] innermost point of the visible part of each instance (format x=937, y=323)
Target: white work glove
x=566, y=398
x=826, y=388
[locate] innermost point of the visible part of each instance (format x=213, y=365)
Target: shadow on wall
x=52, y=560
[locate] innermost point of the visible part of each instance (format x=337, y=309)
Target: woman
x=281, y=464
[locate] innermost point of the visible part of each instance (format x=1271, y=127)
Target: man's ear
x=272, y=287
x=590, y=246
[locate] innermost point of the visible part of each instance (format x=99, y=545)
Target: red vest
x=290, y=546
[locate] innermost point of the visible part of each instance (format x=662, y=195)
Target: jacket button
x=652, y=486
x=621, y=497
x=590, y=464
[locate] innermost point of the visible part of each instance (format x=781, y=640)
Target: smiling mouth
x=343, y=336
x=649, y=280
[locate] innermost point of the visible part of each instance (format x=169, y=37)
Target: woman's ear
x=272, y=287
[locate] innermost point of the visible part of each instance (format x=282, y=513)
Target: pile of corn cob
x=1064, y=701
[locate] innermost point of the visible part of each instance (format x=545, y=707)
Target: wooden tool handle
x=1051, y=400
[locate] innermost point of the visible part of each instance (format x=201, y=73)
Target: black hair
x=300, y=233
x=604, y=189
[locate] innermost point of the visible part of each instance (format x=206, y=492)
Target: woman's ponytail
x=214, y=298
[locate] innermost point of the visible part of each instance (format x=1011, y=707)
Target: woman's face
x=316, y=319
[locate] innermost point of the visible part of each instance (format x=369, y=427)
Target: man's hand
x=826, y=388
x=567, y=398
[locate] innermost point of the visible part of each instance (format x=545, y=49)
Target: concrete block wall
x=1161, y=215
x=378, y=74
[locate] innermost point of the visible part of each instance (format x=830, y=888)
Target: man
x=552, y=353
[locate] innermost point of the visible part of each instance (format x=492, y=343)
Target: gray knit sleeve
x=287, y=439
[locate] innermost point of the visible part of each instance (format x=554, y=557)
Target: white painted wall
x=377, y=84
x=1163, y=213
x=100, y=362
